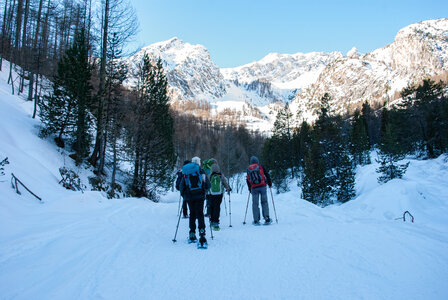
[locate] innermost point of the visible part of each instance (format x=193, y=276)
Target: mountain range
x=255, y=90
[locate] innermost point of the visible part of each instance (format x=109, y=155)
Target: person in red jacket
x=257, y=179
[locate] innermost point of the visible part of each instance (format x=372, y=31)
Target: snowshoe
x=256, y=223
x=267, y=221
x=202, y=246
x=202, y=242
x=192, y=238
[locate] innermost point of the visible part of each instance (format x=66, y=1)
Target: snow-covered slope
x=78, y=245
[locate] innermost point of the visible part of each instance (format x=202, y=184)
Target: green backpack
x=215, y=180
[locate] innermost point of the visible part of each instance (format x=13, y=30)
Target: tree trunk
x=98, y=153
x=114, y=166
x=136, y=169
x=30, y=87
x=23, y=54
x=2, y=49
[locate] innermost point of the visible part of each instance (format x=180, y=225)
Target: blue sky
x=237, y=32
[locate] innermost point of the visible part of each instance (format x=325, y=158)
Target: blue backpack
x=193, y=179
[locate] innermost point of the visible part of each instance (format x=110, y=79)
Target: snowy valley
x=81, y=245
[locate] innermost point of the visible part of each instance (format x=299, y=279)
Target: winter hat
x=254, y=160
x=215, y=168
x=196, y=160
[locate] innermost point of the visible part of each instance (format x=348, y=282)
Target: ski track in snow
x=82, y=246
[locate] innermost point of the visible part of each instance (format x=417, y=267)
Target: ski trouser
x=207, y=205
x=215, y=207
x=196, y=212
x=184, y=207
x=257, y=193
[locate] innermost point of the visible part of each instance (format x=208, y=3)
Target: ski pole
x=225, y=206
x=177, y=227
x=247, y=205
x=178, y=207
x=273, y=205
x=230, y=211
x=211, y=230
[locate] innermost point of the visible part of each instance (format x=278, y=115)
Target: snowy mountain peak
x=175, y=52
x=284, y=71
x=189, y=69
x=429, y=28
x=353, y=53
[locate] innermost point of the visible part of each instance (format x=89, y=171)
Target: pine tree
x=331, y=141
x=302, y=141
x=275, y=160
x=425, y=106
x=278, y=150
x=116, y=73
x=65, y=109
x=345, y=180
x=359, y=145
x=390, y=152
x=315, y=186
x=152, y=133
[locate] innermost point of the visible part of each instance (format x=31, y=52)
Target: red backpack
x=255, y=175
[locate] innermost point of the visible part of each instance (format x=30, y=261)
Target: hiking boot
x=267, y=221
x=192, y=238
x=202, y=239
x=256, y=223
x=214, y=226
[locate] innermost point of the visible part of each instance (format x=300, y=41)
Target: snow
x=78, y=245
x=352, y=53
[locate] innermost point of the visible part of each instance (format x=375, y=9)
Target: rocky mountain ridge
x=418, y=51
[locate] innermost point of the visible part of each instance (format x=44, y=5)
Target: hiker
x=207, y=166
x=193, y=188
x=178, y=180
x=257, y=179
x=218, y=182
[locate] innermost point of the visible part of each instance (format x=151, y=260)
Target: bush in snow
x=98, y=184
x=70, y=180
x=2, y=164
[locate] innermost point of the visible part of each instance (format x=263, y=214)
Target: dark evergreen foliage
x=150, y=132
x=359, y=146
x=425, y=106
x=390, y=151
x=315, y=185
x=66, y=109
x=278, y=154
x=345, y=180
